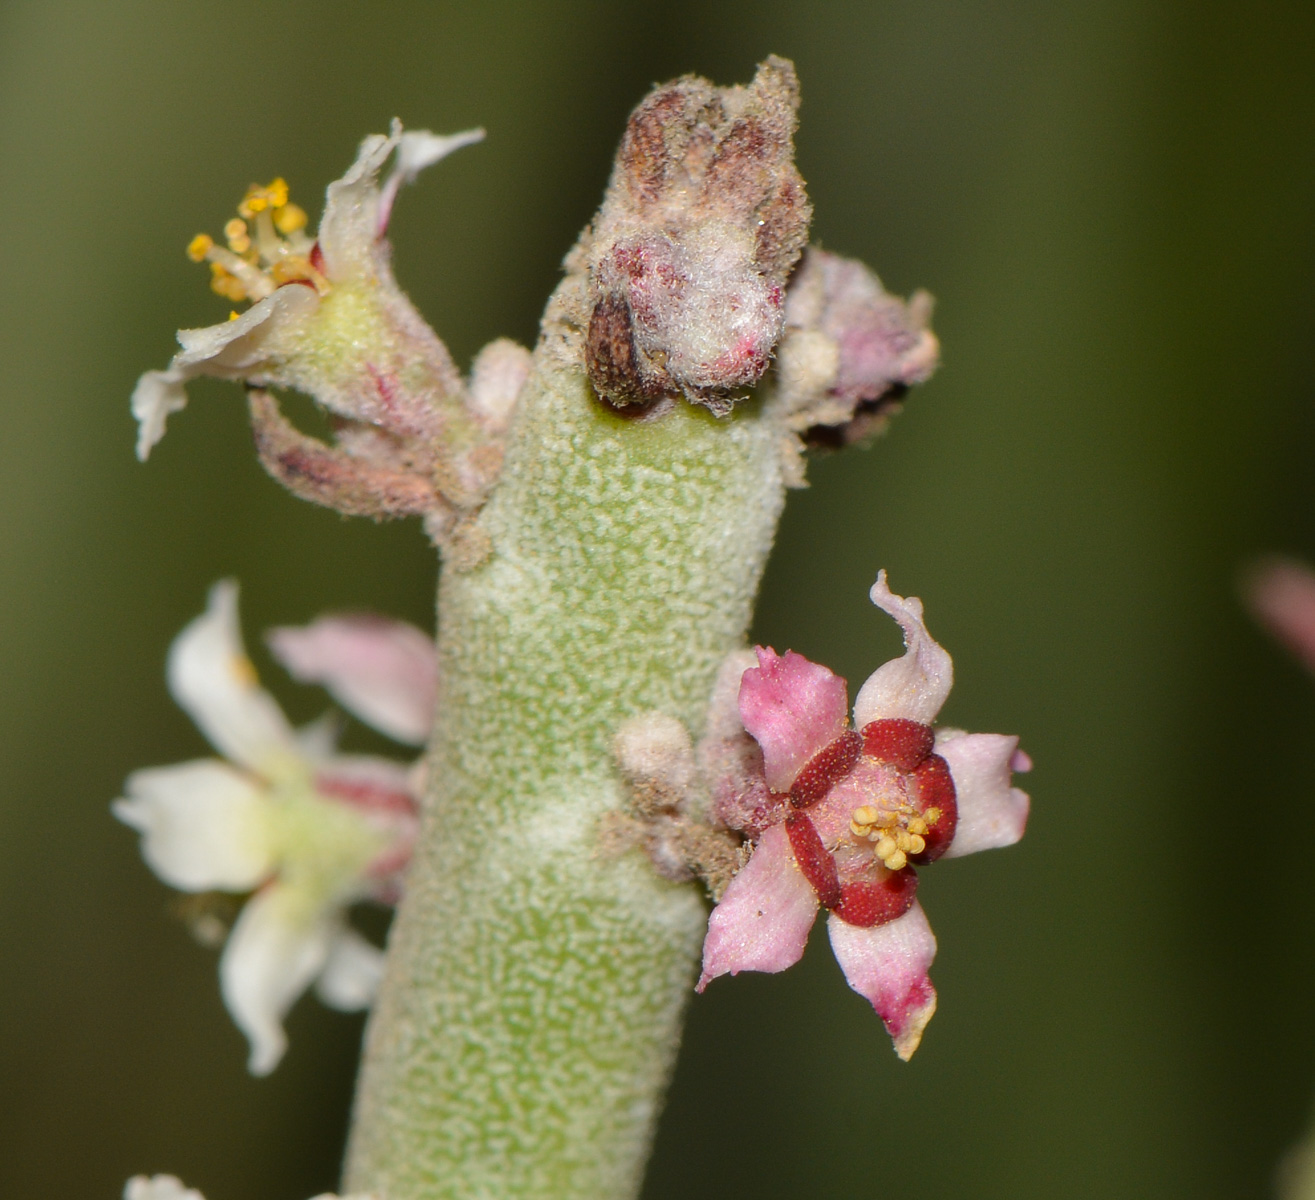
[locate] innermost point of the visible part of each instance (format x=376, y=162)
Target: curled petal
x=156, y=396
x=202, y=823
x=763, y=919
x=383, y=671
x=356, y=209
x=888, y=965
x=213, y=680
x=1281, y=595
x=914, y=686
x=278, y=946
x=992, y=812
x=236, y=349
x=794, y=708
x=159, y=1187
x=416, y=150
x=351, y=976
x=351, y=223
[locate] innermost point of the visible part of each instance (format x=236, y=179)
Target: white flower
x=306, y=831
x=327, y=316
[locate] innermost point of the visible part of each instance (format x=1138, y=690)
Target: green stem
x=531, y=1011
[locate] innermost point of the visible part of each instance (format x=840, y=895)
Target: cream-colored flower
x=327, y=316
x=306, y=832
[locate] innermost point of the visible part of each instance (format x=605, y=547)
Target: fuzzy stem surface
x=531, y=1011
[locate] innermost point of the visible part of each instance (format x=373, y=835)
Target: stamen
x=258, y=260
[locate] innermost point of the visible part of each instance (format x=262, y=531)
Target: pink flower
x=856, y=811
x=1280, y=593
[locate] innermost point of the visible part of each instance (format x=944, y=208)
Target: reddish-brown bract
x=934, y=789
x=868, y=902
x=825, y=769
x=816, y=863
x=902, y=743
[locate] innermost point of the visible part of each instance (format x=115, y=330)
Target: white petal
x=278, y=946
x=915, y=685
x=416, y=150
x=159, y=1187
x=419, y=148
x=351, y=976
x=888, y=965
x=349, y=227
x=157, y=394
x=992, y=813
x=384, y=671
x=213, y=680
x=203, y=825
x=236, y=349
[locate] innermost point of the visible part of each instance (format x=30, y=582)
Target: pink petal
x=794, y=708
x=763, y=920
x=888, y=965
x=992, y=813
x=1281, y=595
x=384, y=671
x=914, y=686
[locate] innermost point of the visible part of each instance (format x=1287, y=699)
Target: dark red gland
x=903, y=744
x=866, y=903
x=825, y=769
x=934, y=787
x=814, y=861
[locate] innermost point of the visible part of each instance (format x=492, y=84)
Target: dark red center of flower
x=915, y=829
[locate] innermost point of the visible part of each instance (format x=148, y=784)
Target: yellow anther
x=932, y=815
x=277, y=193
x=897, y=861
x=917, y=825
x=226, y=285
x=886, y=847
x=232, y=315
x=199, y=247
x=253, y=202
x=916, y=844
x=239, y=241
x=865, y=814
x=290, y=218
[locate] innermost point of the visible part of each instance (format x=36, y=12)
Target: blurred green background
x=1113, y=204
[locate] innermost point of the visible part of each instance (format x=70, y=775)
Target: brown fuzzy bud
x=703, y=221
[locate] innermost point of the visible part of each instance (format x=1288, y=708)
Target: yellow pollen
x=232, y=316
x=290, y=218
x=266, y=247
x=199, y=247
x=895, y=832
